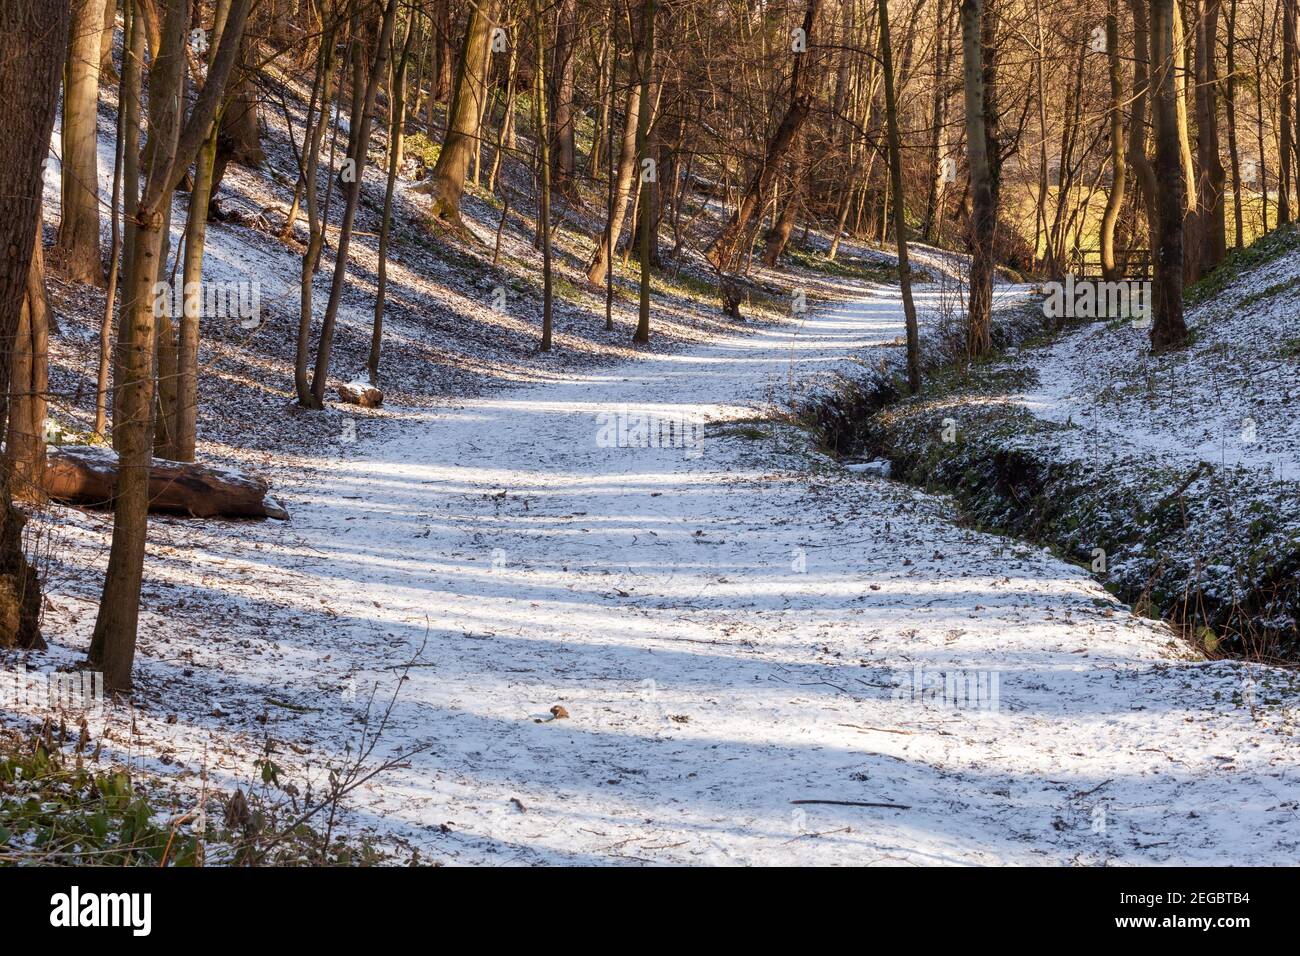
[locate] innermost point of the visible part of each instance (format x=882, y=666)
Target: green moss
x=816, y=261
x=422, y=148
x=1276, y=288
x=1276, y=244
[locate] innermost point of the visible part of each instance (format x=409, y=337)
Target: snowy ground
x=731, y=626
x=1227, y=399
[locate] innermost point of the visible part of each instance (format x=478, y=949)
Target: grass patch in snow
x=60, y=807
x=1238, y=262
x=816, y=261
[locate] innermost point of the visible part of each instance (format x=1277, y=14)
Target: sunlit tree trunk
x=984, y=216
x=1211, y=176
x=77, y=247
x=112, y=647
x=726, y=247
x=464, y=113
x=600, y=261
x=1119, y=169
x=1167, y=328
x=357, y=147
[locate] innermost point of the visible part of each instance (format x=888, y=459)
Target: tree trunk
x=648, y=172
x=1167, y=328
x=726, y=246
x=560, y=91
x=900, y=219
x=939, y=119
x=88, y=474
x=177, y=428
x=984, y=214
x=543, y=133
x=1137, y=127
x=24, y=452
x=33, y=47
x=313, y=139
x=600, y=261
x=1211, y=176
x=1119, y=169
x=1284, y=91
x=77, y=247
x=359, y=139
x=112, y=647
x=463, y=116
x=396, y=129
x=1230, y=109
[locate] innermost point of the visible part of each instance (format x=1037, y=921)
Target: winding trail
x=732, y=626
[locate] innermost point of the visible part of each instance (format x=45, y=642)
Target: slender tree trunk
x=178, y=422
x=600, y=261
x=1211, y=176
x=1137, y=127
x=900, y=219
x=648, y=172
x=1285, y=134
x=603, y=117
x=397, y=124
x=112, y=646
x=1119, y=169
x=984, y=216
x=1193, y=228
x=507, y=115
x=1167, y=328
x=126, y=95
x=313, y=140
x=611, y=192
x=543, y=132
x=724, y=251
x=358, y=143
x=1230, y=109
x=77, y=247
x=939, y=114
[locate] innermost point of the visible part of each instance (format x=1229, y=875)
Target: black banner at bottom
x=335, y=906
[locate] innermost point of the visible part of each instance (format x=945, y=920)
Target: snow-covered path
x=731, y=627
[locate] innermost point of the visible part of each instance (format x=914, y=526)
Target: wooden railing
x=1133, y=264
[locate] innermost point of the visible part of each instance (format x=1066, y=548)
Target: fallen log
x=361, y=393
x=87, y=475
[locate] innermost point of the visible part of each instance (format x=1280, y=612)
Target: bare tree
x=984, y=217
x=33, y=45
x=463, y=114
x=77, y=247
x=726, y=246
x=112, y=648
x=1167, y=327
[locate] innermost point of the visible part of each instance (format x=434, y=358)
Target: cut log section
x=361, y=393
x=87, y=475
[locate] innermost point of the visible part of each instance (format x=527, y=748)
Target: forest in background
x=1151, y=136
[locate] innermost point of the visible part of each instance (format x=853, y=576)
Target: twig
x=855, y=803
